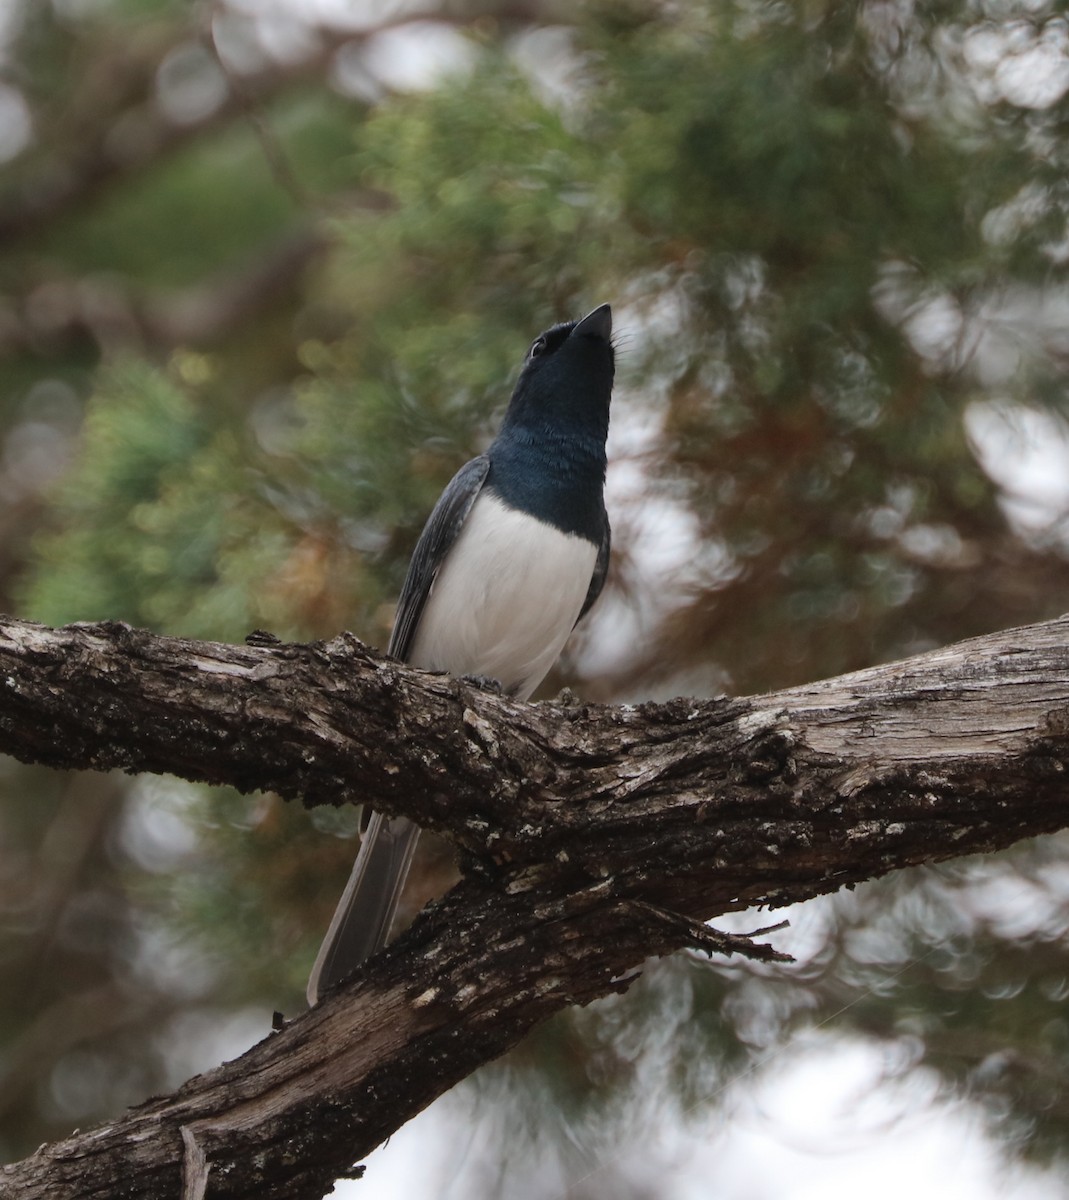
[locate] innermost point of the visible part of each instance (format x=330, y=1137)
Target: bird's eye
x=538, y=346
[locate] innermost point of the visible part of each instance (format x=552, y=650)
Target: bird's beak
x=596, y=324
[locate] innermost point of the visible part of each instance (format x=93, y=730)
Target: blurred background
x=267, y=271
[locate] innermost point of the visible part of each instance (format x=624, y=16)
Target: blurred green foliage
x=828, y=238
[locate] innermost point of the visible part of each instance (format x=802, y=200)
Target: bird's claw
x=484, y=683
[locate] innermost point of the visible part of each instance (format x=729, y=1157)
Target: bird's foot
x=483, y=682
x=261, y=637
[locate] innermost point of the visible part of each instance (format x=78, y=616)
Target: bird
x=512, y=557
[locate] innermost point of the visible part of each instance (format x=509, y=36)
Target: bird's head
x=566, y=377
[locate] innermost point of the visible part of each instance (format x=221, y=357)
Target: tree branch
x=62, y=313
x=591, y=838
x=99, y=160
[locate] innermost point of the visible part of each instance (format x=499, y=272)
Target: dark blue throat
x=558, y=478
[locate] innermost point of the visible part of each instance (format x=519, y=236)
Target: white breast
x=505, y=600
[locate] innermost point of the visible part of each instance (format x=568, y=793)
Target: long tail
x=361, y=922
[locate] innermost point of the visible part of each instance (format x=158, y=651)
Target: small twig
x=699, y=936
x=763, y=930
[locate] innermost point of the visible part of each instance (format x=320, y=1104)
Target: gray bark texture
x=590, y=839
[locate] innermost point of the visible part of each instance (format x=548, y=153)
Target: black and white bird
x=512, y=557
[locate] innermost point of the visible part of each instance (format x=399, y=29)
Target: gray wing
x=601, y=569
x=435, y=542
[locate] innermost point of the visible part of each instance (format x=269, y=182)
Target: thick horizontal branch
x=592, y=837
x=766, y=799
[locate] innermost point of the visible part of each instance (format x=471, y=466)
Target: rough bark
x=591, y=837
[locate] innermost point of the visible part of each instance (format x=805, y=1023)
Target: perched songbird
x=513, y=555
